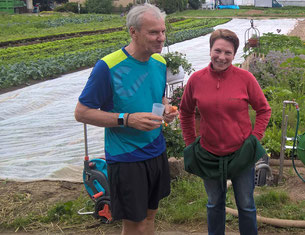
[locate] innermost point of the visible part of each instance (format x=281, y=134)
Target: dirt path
x=299, y=30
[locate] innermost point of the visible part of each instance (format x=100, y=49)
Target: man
x=119, y=95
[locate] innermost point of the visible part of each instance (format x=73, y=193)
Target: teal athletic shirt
x=119, y=83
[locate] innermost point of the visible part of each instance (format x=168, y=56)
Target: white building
x=300, y=3
x=244, y=2
x=283, y=2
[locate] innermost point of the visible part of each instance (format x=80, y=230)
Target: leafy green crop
x=53, y=58
x=22, y=26
x=57, y=48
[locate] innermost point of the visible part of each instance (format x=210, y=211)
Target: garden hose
x=294, y=142
x=273, y=221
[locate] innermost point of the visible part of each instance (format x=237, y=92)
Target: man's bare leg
x=144, y=227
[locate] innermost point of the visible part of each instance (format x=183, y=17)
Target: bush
x=171, y=6
x=172, y=131
x=129, y=6
x=195, y=4
x=174, y=140
x=69, y=7
x=278, y=42
x=267, y=70
x=99, y=6
x=175, y=99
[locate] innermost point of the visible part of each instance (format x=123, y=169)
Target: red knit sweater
x=223, y=100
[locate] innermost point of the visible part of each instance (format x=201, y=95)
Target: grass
x=246, y=12
x=186, y=205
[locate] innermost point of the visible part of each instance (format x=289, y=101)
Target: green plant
x=186, y=203
x=171, y=6
x=195, y=4
x=272, y=199
x=129, y=6
x=294, y=70
x=174, y=140
x=278, y=42
x=69, y=7
x=99, y=6
x=175, y=99
x=60, y=210
x=176, y=59
x=182, y=35
x=254, y=36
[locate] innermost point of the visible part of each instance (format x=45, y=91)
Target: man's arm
x=96, y=117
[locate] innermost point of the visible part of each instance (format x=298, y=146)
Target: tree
x=195, y=4
x=99, y=6
x=171, y=6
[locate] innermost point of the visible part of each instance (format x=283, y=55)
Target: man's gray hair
x=134, y=16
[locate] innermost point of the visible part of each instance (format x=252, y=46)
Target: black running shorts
x=136, y=187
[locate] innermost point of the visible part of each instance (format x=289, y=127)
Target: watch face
x=121, y=121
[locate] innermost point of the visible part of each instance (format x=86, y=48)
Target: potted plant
x=177, y=66
x=253, y=40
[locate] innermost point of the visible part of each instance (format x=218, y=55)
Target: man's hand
x=144, y=121
x=170, y=112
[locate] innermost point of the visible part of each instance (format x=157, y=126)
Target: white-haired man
x=119, y=96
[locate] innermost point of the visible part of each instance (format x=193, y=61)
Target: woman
x=228, y=146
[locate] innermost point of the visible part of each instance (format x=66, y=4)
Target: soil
x=299, y=30
x=23, y=198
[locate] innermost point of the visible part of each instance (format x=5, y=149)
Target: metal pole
x=85, y=139
x=283, y=143
x=284, y=136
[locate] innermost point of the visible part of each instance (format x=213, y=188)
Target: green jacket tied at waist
x=206, y=165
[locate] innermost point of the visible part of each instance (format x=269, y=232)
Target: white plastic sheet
x=39, y=138
x=38, y=133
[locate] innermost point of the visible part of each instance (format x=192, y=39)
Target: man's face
x=151, y=36
x=222, y=54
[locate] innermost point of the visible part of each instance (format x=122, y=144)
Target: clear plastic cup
x=158, y=109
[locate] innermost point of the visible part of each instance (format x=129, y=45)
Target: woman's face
x=222, y=54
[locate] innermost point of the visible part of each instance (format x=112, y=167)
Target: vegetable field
x=40, y=47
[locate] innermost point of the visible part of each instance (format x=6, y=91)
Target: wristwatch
x=121, y=120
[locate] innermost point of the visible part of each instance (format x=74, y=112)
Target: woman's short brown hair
x=227, y=35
